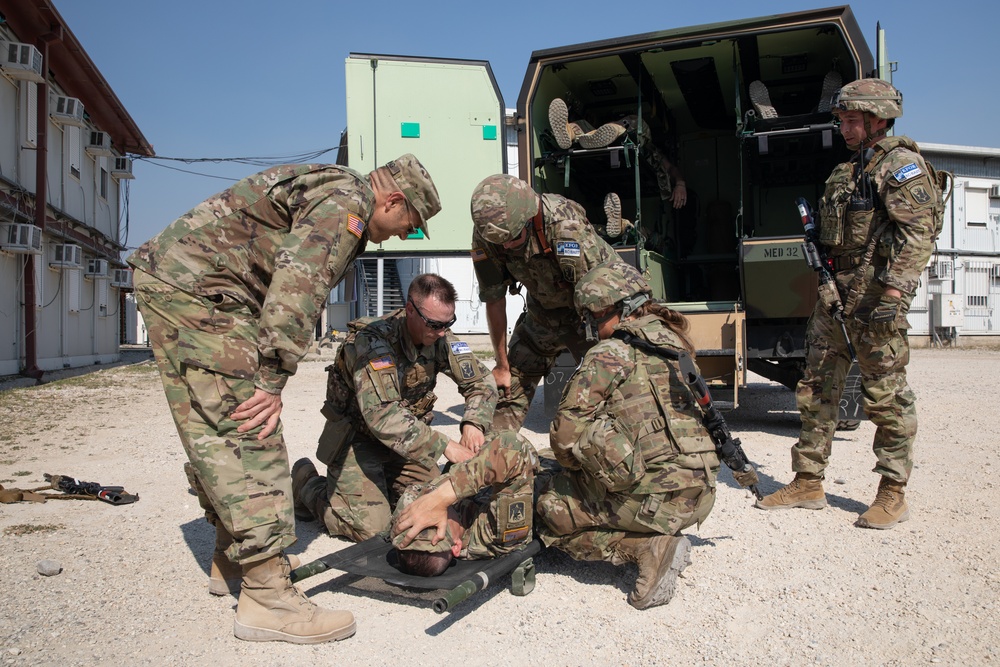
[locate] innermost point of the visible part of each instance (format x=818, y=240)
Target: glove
x=882, y=322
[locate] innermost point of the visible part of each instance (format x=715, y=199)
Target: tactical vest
x=656, y=412
x=852, y=211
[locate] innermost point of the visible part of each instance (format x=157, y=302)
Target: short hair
x=424, y=563
x=383, y=180
x=431, y=284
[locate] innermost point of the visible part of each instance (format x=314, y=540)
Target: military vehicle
x=731, y=258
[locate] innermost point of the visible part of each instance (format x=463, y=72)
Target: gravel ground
x=770, y=588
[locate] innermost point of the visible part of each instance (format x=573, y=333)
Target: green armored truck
x=741, y=112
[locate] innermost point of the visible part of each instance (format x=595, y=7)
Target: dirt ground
x=770, y=588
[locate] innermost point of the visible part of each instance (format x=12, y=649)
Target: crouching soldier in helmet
x=639, y=466
x=879, y=217
x=545, y=243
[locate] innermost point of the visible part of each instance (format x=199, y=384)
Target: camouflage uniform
x=550, y=324
x=637, y=458
x=377, y=439
x=495, y=507
x=905, y=219
x=229, y=293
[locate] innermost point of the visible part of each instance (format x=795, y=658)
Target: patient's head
x=421, y=557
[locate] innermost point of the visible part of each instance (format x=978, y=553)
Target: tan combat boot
x=660, y=559
x=272, y=609
x=805, y=491
x=225, y=576
x=302, y=472
x=889, y=507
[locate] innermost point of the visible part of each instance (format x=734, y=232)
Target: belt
x=845, y=262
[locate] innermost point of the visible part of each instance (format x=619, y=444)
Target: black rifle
x=817, y=260
x=728, y=448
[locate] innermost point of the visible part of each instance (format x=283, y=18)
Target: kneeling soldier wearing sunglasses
x=377, y=440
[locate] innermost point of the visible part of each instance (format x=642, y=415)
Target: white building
x=67, y=144
x=959, y=292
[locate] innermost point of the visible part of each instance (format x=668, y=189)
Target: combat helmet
x=501, y=206
x=876, y=96
x=606, y=286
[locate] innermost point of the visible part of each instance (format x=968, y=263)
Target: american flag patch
x=478, y=254
x=355, y=225
x=382, y=363
x=460, y=347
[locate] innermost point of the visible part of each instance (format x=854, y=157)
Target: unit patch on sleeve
x=478, y=254
x=567, y=248
x=355, y=225
x=907, y=172
x=382, y=363
x=468, y=372
x=920, y=194
x=460, y=347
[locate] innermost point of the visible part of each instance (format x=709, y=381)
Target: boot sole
x=603, y=136
x=558, y=121
x=864, y=523
x=613, y=212
x=664, y=592
x=253, y=634
x=802, y=504
x=762, y=100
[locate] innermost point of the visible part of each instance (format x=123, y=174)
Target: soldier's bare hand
x=430, y=509
x=260, y=409
x=456, y=453
x=472, y=438
x=502, y=377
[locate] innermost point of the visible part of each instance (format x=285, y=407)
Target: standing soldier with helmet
x=639, y=464
x=544, y=243
x=879, y=217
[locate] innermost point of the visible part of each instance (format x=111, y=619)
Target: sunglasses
x=432, y=324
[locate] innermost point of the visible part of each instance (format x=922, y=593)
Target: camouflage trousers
x=886, y=397
x=534, y=345
x=362, y=485
x=499, y=519
x=579, y=516
x=206, y=352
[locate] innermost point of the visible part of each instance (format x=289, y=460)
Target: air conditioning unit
x=96, y=268
x=121, y=278
x=66, y=256
x=21, y=238
x=21, y=61
x=99, y=144
x=942, y=269
x=122, y=168
x=995, y=192
x=67, y=111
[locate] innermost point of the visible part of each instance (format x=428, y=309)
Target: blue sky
x=219, y=78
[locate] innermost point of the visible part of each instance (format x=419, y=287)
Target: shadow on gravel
x=199, y=535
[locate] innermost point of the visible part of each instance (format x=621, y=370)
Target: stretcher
x=376, y=558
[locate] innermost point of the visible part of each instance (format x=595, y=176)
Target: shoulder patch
x=920, y=194
x=382, y=363
x=907, y=172
x=460, y=347
x=478, y=254
x=355, y=225
x=567, y=248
